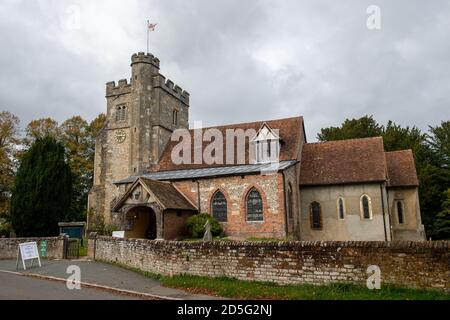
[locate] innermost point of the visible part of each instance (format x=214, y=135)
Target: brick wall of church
x=235, y=190
x=415, y=264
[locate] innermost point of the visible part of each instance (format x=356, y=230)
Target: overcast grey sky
x=240, y=60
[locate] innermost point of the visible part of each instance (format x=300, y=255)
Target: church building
x=266, y=182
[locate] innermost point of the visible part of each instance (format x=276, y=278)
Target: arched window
x=254, y=206
x=121, y=113
x=290, y=202
x=400, y=212
x=341, y=208
x=316, y=216
x=366, y=207
x=219, y=207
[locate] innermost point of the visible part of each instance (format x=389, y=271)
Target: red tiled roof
x=344, y=161
x=290, y=132
x=401, y=169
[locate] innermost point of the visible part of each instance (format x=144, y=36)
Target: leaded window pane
x=366, y=209
x=254, y=206
x=400, y=212
x=219, y=207
x=341, y=208
x=315, y=216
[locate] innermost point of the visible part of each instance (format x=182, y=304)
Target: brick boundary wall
x=9, y=247
x=408, y=264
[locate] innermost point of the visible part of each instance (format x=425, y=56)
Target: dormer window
x=266, y=145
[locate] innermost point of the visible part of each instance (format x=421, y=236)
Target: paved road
x=16, y=287
x=106, y=275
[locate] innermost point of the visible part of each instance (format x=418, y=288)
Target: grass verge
x=252, y=290
x=232, y=288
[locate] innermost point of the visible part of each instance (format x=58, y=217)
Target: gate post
x=61, y=247
x=65, y=239
x=92, y=243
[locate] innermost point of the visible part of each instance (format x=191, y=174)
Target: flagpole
x=148, y=35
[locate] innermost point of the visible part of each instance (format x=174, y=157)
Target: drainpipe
x=384, y=219
x=198, y=195
x=389, y=215
x=286, y=229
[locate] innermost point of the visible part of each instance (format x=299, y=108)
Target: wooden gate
x=73, y=249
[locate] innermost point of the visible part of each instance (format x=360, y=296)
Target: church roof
x=401, y=169
x=291, y=133
x=212, y=172
x=342, y=162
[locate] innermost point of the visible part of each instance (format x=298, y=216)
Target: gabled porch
x=152, y=209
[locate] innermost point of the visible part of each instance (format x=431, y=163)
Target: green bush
x=196, y=225
x=5, y=228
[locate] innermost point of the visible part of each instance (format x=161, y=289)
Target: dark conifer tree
x=42, y=190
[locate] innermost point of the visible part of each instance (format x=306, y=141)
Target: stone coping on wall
x=289, y=244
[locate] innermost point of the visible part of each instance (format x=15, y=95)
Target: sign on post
x=43, y=248
x=27, y=251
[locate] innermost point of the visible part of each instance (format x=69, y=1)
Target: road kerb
x=94, y=286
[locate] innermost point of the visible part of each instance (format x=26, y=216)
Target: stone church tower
x=141, y=116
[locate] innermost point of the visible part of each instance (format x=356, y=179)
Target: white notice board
x=27, y=251
x=118, y=234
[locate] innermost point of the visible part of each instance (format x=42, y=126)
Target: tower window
x=175, y=117
x=121, y=113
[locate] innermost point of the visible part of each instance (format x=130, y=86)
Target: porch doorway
x=144, y=224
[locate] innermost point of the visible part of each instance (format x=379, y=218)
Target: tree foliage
x=41, y=128
x=439, y=140
x=42, y=190
x=442, y=221
x=75, y=138
x=351, y=129
x=9, y=138
x=196, y=225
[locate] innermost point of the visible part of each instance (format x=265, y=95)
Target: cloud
x=240, y=60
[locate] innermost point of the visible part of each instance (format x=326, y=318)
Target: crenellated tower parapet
x=159, y=81
x=123, y=87
x=146, y=58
